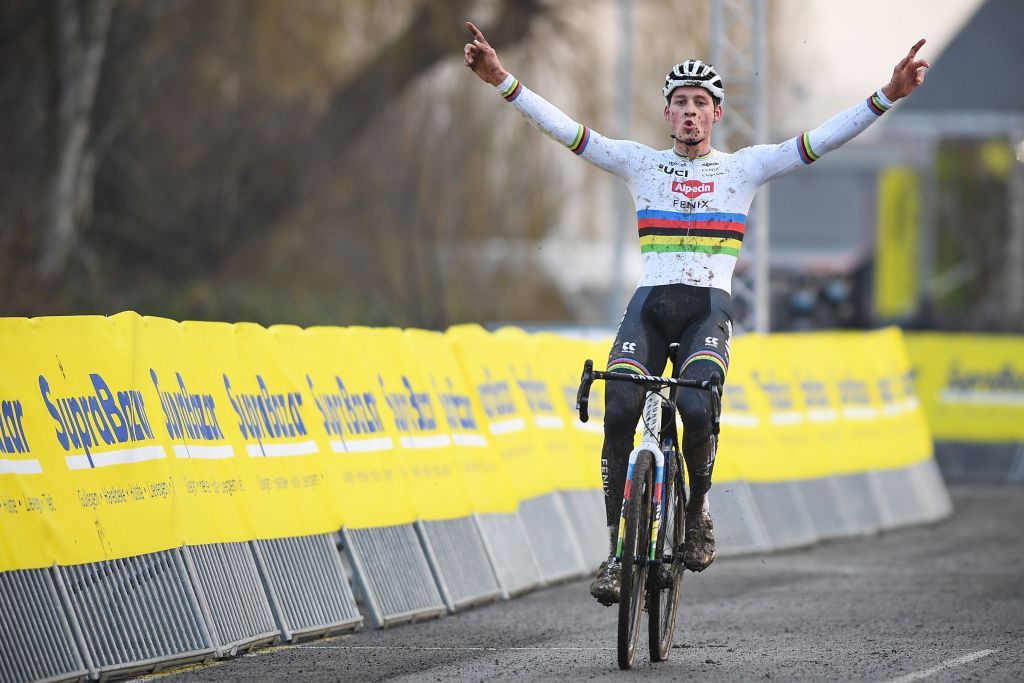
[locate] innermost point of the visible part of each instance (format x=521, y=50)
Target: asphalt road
x=938, y=603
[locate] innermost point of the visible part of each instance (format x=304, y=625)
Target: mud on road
x=939, y=603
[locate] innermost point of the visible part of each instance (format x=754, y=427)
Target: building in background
x=919, y=222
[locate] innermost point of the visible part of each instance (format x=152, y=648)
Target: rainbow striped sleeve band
x=878, y=103
x=579, y=143
x=510, y=88
x=807, y=154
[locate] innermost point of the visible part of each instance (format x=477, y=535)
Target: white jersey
x=691, y=215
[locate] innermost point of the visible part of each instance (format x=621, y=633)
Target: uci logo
x=668, y=170
x=629, y=347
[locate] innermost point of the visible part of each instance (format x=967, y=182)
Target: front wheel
x=663, y=603
x=635, y=549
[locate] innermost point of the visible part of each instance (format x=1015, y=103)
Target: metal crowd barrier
x=306, y=584
x=552, y=538
x=864, y=515
x=991, y=463
x=932, y=490
x=738, y=526
x=392, y=574
x=134, y=613
x=585, y=509
x=784, y=514
x=509, y=550
x=900, y=502
x=460, y=563
x=36, y=641
x=231, y=596
x=826, y=506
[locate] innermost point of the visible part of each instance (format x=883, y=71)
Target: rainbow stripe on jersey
x=701, y=233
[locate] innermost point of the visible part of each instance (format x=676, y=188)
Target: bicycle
x=654, y=484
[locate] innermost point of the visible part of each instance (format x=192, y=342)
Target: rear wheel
x=663, y=603
x=635, y=550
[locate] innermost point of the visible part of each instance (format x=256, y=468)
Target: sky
x=840, y=51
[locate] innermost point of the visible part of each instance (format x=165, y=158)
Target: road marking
x=948, y=664
x=446, y=649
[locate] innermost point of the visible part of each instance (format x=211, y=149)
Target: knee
x=695, y=406
x=620, y=411
x=618, y=418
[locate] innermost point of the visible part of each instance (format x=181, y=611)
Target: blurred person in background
x=691, y=202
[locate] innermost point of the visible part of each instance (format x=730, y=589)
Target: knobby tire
x=663, y=603
x=634, y=574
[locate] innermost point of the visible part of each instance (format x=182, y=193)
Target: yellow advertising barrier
x=214, y=490
x=274, y=424
x=743, y=444
x=510, y=427
x=363, y=440
x=971, y=386
x=904, y=437
x=482, y=469
x=125, y=435
x=533, y=368
x=425, y=442
x=96, y=480
x=563, y=362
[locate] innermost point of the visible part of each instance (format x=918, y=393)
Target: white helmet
x=694, y=72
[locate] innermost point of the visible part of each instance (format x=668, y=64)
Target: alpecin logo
x=692, y=188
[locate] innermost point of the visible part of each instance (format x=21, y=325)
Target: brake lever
x=583, y=394
x=716, y=400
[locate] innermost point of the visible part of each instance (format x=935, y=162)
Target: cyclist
x=691, y=203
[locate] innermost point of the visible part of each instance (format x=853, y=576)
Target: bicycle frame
x=650, y=441
x=651, y=438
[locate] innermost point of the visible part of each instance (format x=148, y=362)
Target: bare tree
x=81, y=41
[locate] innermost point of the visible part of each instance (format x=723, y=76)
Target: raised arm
x=614, y=156
x=770, y=161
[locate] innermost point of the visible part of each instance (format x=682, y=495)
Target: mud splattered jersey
x=691, y=215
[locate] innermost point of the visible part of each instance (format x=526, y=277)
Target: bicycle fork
x=648, y=442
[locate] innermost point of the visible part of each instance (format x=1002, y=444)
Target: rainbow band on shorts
x=626, y=365
x=707, y=355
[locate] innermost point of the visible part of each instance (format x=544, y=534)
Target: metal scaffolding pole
x=739, y=53
x=622, y=216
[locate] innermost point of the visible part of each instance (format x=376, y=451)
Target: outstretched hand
x=482, y=59
x=907, y=75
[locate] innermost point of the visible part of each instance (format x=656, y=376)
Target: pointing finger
x=477, y=33
x=915, y=48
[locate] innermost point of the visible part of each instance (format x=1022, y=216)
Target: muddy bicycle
x=652, y=523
